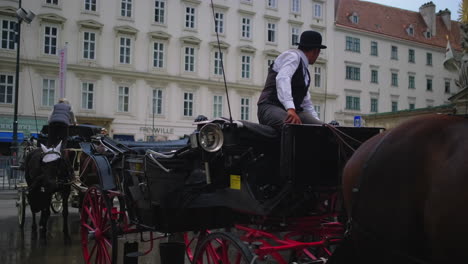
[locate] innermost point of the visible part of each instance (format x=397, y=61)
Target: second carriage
x=239, y=192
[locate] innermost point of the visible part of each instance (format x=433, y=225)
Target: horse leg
x=65, y=195
x=34, y=226
x=45, y=214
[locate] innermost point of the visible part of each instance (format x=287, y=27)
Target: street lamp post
x=26, y=16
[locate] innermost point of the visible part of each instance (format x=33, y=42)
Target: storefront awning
x=8, y=137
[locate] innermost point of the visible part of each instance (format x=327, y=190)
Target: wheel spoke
x=224, y=251
x=106, y=253
x=87, y=226
x=90, y=216
x=92, y=250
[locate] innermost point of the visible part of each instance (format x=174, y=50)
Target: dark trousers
x=57, y=132
x=274, y=116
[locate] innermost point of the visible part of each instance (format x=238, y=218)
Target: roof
x=392, y=21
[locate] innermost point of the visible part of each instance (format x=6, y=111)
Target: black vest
x=61, y=113
x=298, y=86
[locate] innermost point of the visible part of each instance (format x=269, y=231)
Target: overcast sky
x=452, y=5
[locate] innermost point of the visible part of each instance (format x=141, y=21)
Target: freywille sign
x=25, y=125
x=158, y=130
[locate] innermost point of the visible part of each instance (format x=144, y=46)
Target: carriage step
x=135, y=254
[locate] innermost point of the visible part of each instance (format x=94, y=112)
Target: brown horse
x=406, y=194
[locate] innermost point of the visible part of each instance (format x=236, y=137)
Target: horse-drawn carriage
x=274, y=196
x=39, y=174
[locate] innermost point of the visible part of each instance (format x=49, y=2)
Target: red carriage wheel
x=191, y=240
x=222, y=248
x=98, y=228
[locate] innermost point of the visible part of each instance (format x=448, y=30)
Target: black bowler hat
x=311, y=39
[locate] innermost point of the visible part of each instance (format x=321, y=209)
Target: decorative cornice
x=89, y=23
x=126, y=30
x=222, y=44
x=271, y=52
x=246, y=12
x=191, y=40
x=7, y=11
x=193, y=2
x=295, y=22
x=270, y=17
x=247, y=48
x=222, y=7
x=159, y=35
x=51, y=18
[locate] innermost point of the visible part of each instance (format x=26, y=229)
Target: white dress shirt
x=285, y=65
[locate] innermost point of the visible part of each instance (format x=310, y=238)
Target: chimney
x=445, y=15
x=427, y=11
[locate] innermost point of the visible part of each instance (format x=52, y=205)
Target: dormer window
x=354, y=18
x=410, y=30
x=427, y=34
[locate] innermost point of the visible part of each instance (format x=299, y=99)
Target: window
x=411, y=106
x=245, y=108
x=126, y=8
x=353, y=103
x=429, y=85
x=295, y=32
x=317, y=10
x=6, y=89
x=87, y=95
x=411, y=56
x=317, y=110
x=447, y=86
x=159, y=11
x=427, y=34
x=125, y=50
x=246, y=27
x=50, y=40
x=158, y=55
x=353, y=73
x=411, y=82
x=48, y=92
x=219, y=23
x=394, y=79
x=295, y=6
x=394, y=54
x=374, y=105
x=217, y=106
x=51, y=2
x=429, y=59
x=218, y=58
x=245, y=72
x=189, y=59
x=271, y=32
x=188, y=104
x=394, y=106
x=272, y=3
x=89, y=45
x=410, y=30
x=190, y=17
x=124, y=98
x=317, y=75
x=353, y=44
x=8, y=34
x=90, y=5
x=374, y=76
x=355, y=19
x=374, y=49
x=157, y=102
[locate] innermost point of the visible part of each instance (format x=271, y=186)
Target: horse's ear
x=57, y=148
x=44, y=149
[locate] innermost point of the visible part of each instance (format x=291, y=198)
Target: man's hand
x=292, y=117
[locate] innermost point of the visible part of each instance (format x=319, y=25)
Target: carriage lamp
x=211, y=137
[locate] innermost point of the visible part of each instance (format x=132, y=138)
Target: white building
x=389, y=59
x=132, y=63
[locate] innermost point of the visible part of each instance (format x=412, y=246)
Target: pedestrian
x=285, y=98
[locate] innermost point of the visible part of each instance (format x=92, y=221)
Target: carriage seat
x=261, y=130
x=159, y=146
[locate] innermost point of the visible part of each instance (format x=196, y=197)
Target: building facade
x=148, y=68
x=388, y=59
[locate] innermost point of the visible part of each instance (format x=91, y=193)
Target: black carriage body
x=254, y=174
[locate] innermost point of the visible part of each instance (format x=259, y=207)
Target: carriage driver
x=59, y=120
x=285, y=97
